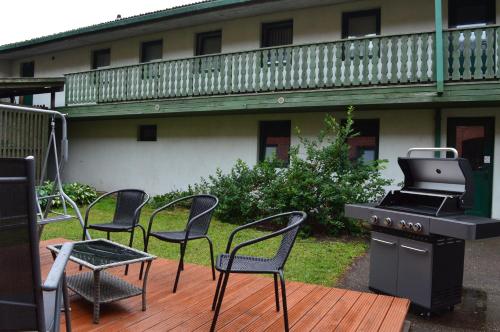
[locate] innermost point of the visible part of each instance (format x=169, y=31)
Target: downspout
x=437, y=131
x=438, y=18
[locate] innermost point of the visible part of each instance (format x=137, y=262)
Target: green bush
x=320, y=180
x=161, y=200
x=81, y=194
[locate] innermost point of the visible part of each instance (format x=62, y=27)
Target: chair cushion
x=247, y=264
x=110, y=227
x=175, y=236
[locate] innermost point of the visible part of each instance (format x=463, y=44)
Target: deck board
x=249, y=304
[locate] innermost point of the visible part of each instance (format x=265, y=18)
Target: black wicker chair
x=129, y=203
x=200, y=215
x=25, y=303
x=230, y=262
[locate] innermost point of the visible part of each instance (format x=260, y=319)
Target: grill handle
x=454, y=151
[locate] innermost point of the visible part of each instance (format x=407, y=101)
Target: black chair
x=200, y=215
x=129, y=203
x=25, y=303
x=230, y=262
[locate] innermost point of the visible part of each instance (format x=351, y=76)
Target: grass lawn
x=312, y=260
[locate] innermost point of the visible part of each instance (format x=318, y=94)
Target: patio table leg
x=97, y=294
x=144, y=285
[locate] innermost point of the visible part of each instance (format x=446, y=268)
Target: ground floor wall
x=107, y=155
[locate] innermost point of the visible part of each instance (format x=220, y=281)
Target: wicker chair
x=230, y=262
x=25, y=303
x=129, y=203
x=200, y=215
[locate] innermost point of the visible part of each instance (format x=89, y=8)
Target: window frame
x=262, y=139
x=356, y=129
x=93, y=57
x=266, y=26
x=142, y=136
x=360, y=13
x=199, y=38
x=147, y=43
x=452, y=19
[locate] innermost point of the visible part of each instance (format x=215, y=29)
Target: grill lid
x=433, y=185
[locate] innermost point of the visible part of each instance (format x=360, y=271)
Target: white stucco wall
x=107, y=155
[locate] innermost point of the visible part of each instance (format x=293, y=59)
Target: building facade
x=159, y=100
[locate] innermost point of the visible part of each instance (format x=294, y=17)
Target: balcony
x=400, y=60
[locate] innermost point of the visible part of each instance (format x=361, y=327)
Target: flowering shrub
x=320, y=181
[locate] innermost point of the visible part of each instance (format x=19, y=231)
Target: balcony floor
x=248, y=304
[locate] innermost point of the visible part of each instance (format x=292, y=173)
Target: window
x=470, y=12
x=101, y=58
x=277, y=33
x=364, y=146
x=274, y=140
x=152, y=50
x=208, y=42
x=28, y=69
x=147, y=133
x=361, y=23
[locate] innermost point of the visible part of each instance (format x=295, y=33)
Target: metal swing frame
x=47, y=215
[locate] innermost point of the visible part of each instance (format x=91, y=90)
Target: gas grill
x=418, y=232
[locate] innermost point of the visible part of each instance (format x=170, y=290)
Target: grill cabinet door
x=415, y=271
x=384, y=263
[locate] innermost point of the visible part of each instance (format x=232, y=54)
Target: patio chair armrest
x=91, y=205
x=256, y=240
x=251, y=224
x=166, y=206
x=57, y=271
x=137, y=211
x=192, y=220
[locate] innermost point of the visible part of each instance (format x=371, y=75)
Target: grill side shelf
x=465, y=227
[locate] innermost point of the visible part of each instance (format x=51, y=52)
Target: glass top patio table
x=102, y=254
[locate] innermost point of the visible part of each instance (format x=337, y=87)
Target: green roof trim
x=189, y=9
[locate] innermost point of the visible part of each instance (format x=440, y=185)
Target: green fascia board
x=189, y=9
x=415, y=96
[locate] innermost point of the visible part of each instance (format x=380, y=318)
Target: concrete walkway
x=480, y=307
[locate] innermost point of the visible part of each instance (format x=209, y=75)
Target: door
x=474, y=139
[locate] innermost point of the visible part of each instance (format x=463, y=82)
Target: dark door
x=384, y=263
x=27, y=70
x=474, y=139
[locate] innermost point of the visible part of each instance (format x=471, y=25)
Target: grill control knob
x=409, y=226
x=374, y=219
x=402, y=224
x=388, y=221
x=417, y=227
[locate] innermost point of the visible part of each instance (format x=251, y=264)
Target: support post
x=437, y=131
x=438, y=18
x=52, y=100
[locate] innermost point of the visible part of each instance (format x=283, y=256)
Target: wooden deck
x=248, y=304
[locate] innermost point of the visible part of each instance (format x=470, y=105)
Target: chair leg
x=107, y=236
x=217, y=289
x=182, y=262
x=180, y=267
x=130, y=245
x=219, y=301
x=211, y=257
x=145, y=250
x=67, y=309
x=276, y=292
x=283, y=294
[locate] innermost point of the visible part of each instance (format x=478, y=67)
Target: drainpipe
x=437, y=131
x=438, y=19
